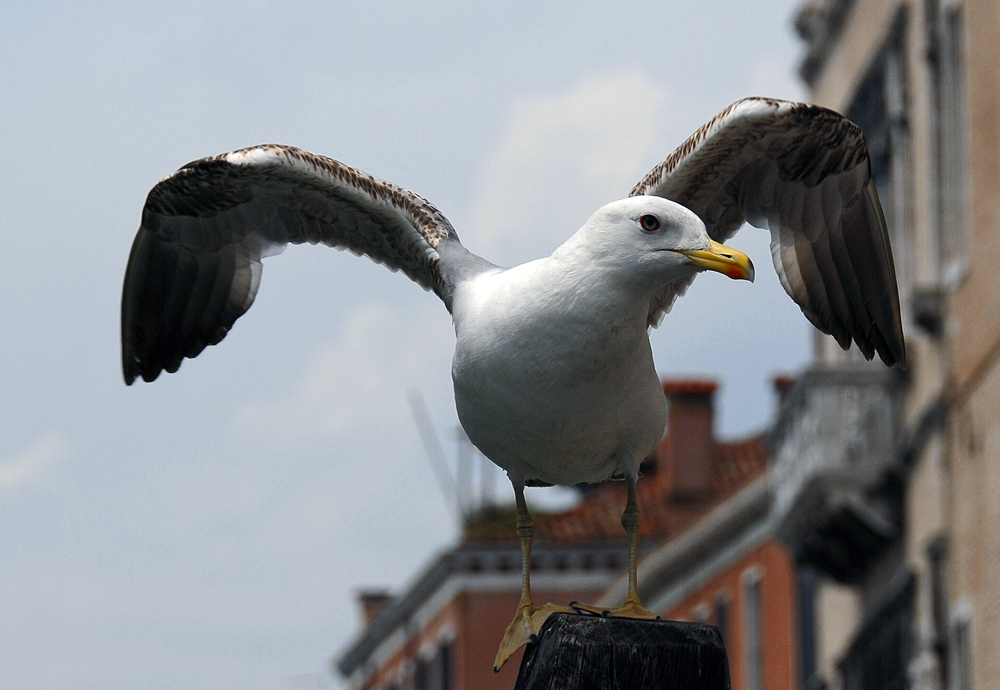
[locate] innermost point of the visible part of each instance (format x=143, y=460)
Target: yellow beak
x=725, y=260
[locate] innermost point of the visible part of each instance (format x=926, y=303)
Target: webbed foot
x=630, y=609
x=528, y=621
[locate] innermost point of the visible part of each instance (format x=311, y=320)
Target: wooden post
x=584, y=652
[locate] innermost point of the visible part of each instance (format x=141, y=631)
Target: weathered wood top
x=585, y=652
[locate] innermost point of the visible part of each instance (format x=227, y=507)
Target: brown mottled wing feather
x=196, y=260
x=802, y=172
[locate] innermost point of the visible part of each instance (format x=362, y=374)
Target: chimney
x=686, y=456
x=372, y=602
x=783, y=385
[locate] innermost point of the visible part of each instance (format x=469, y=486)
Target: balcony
x=833, y=452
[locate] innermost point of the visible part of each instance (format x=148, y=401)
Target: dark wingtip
x=134, y=375
x=901, y=355
x=129, y=370
x=897, y=355
x=900, y=363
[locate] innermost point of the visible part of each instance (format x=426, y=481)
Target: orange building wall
x=478, y=620
x=778, y=606
x=448, y=617
x=486, y=616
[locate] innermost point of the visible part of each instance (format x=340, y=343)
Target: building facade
x=854, y=546
x=441, y=632
x=892, y=519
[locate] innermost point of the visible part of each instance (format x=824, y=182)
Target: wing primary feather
x=132, y=305
x=168, y=350
x=873, y=269
x=888, y=321
x=147, y=292
x=215, y=321
x=195, y=264
x=802, y=171
x=201, y=295
x=827, y=264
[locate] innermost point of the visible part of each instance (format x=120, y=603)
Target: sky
x=211, y=529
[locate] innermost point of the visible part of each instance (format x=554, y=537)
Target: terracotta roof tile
x=689, y=387
x=739, y=463
x=598, y=516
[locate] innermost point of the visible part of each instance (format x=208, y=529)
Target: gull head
x=653, y=241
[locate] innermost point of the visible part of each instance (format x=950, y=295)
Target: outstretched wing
x=803, y=172
x=195, y=263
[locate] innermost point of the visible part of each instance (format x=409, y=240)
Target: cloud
x=324, y=474
x=208, y=531
x=562, y=156
x=33, y=459
x=770, y=76
x=565, y=153
x=355, y=382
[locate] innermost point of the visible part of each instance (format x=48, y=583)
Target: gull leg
x=528, y=618
x=632, y=607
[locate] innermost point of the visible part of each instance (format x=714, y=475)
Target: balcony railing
x=833, y=450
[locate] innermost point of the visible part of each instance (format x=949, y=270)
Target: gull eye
x=649, y=223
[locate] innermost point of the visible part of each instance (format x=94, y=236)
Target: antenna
x=463, y=473
x=435, y=454
x=487, y=475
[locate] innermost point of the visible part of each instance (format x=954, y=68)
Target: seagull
x=553, y=373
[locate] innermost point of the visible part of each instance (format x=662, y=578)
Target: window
x=806, y=583
x=702, y=613
x=722, y=607
x=440, y=677
x=420, y=675
x=953, y=229
x=937, y=570
x=879, y=656
x=961, y=651
x=434, y=672
x=753, y=629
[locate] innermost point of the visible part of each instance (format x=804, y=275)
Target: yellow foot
x=630, y=609
x=524, y=629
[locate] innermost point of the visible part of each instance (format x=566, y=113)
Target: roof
x=598, y=516
x=590, y=529
x=472, y=559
